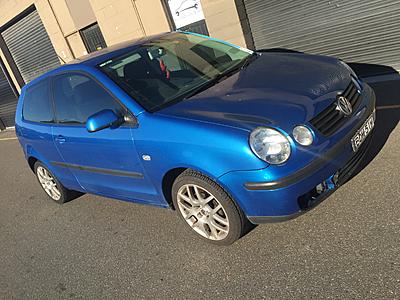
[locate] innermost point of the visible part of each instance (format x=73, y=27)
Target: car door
x=35, y=130
x=104, y=162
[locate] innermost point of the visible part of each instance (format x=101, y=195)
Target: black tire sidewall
x=235, y=215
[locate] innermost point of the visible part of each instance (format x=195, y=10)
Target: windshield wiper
x=248, y=60
x=204, y=86
x=219, y=77
x=243, y=64
x=69, y=122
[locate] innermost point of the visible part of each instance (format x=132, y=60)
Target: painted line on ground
x=8, y=139
x=388, y=107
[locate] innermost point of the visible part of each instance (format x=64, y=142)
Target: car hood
x=276, y=89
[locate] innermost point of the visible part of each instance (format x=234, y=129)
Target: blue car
x=224, y=135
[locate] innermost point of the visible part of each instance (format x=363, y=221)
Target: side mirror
x=103, y=119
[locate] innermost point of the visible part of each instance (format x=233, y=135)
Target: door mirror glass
x=103, y=119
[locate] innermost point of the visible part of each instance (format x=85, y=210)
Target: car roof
x=95, y=58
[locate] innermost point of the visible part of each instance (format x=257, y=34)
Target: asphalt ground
x=348, y=247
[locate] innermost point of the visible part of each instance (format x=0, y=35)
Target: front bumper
x=312, y=198
x=286, y=198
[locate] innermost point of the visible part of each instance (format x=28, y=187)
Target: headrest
x=138, y=69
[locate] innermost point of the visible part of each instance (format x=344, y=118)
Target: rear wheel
x=53, y=188
x=207, y=209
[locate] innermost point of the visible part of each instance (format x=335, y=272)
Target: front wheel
x=207, y=208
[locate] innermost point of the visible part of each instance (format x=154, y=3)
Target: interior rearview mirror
x=103, y=119
x=156, y=52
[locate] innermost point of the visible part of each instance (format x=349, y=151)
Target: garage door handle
x=60, y=139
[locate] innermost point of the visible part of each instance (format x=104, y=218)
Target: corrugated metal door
x=8, y=101
x=30, y=47
x=354, y=30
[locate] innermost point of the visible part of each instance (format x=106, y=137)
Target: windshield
x=173, y=67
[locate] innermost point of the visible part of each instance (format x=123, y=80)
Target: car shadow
x=385, y=81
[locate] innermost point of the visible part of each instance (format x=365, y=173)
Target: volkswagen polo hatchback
x=223, y=135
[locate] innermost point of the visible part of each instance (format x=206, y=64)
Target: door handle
x=60, y=139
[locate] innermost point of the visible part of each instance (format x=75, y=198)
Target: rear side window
x=37, y=104
x=77, y=97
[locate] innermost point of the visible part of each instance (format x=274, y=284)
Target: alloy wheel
x=203, y=212
x=48, y=183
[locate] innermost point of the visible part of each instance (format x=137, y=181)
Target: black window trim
x=133, y=124
x=43, y=81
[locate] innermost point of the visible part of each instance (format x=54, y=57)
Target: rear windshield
x=166, y=69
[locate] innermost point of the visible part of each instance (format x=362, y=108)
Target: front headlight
x=270, y=145
x=303, y=135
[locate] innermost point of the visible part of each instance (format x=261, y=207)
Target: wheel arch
x=167, y=182
x=31, y=162
x=32, y=156
x=170, y=176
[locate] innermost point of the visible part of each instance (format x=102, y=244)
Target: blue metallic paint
x=101, y=120
x=208, y=133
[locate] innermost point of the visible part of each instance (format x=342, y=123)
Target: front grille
x=331, y=119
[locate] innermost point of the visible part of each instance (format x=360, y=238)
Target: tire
x=221, y=226
x=64, y=195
